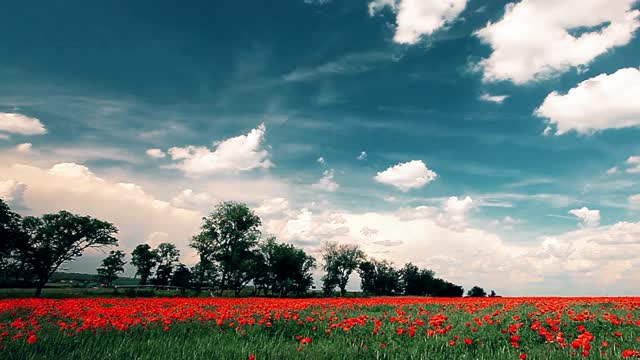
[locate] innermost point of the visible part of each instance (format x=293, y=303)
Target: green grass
x=195, y=340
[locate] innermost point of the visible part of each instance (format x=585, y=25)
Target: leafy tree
x=145, y=260
x=181, y=278
x=111, y=266
x=204, y=271
x=288, y=269
x=493, y=294
x=476, y=291
x=233, y=231
x=54, y=239
x=204, y=274
x=379, y=277
x=11, y=235
x=444, y=288
x=340, y=260
x=168, y=255
x=411, y=280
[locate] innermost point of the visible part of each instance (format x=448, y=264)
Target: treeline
x=232, y=254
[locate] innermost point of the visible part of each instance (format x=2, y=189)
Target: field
x=365, y=328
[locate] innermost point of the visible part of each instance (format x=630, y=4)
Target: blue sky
x=500, y=139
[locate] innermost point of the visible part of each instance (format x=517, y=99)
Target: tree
x=340, y=260
x=144, y=259
x=204, y=274
x=168, y=255
x=476, y=291
x=11, y=235
x=379, y=277
x=288, y=269
x=111, y=266
x=54, y=239
x=233, y=231
x=205, y=270
x=411, y=280
x=181, y=278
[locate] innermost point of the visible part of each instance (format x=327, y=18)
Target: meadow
x=330, y=328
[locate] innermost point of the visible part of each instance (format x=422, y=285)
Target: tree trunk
x=343, y=291
x=39, y=287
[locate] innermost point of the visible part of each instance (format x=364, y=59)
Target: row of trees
x=232, y=253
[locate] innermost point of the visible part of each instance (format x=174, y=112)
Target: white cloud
x=415, y=18
x=634, y=200
x=613, y=170
x=634, y=164
x=12, y=192
x=240, y=153
x=498, y=99
x=326, y=182
x=155, y=153
x=589, y=218
x=602, y=102
x=271, y=207
x=407, y=176
x=321, y=160
x=537, y=39
x=24, y=147
x=362, y=156
x=454, y=212
x=594, y=260
x=21, y=124
x=506, y=222
x=4, y=136
x=156, y=238
x=188, y=199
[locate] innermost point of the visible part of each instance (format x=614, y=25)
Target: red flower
x=523, y=356
x=452, y=342
x=306, y=340
x=252, y=357
x=630, y=353
x=32, y=339
x=468, y=341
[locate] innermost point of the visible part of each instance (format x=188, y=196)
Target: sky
x=493, y=142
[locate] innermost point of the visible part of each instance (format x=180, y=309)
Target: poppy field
x=336, y=328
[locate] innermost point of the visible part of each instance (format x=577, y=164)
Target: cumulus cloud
x=12, y=192
x=188, y=199
x=362, y=156
x=407, y=176
x=156, y=238
x=588, y=217
x=327, y=183
x=321, y=160
x=454, y=212
x=24, y=147
x=415, y=18
x=537, y=39
x=21, y=124
x=155, y=153
x=240, y=153
x=602, y=102
x=498, y=99
x=270, y=207
x=613, y=170
x=634, y=164
x=590, y=258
